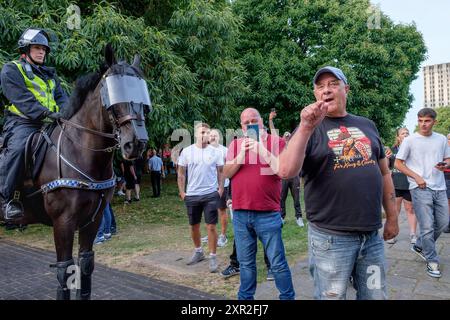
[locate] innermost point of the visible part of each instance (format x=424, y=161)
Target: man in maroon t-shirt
x=256, y=205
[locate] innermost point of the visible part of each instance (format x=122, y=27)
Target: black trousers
x=12, y=155
x=292, y=184
x=155, y=177
x=235, y=263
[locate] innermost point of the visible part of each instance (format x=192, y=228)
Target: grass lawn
x=155, y=224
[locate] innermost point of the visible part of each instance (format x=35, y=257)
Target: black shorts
x=206, y=203
x=129, y=182
x=405, y=194
x=223, y=199
x=139, y=178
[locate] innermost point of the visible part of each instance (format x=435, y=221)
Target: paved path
x=406, y=275
x=25, y=275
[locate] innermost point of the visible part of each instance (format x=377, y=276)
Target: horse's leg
x=63, y=232
x=86, y=259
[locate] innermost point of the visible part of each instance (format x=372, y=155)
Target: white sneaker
x=213, y=265
x=433, y=270
x=413, y=238
x=300, y=222
x=205, y=239
x=120, y=193
x=222, y=241
x=392, y=241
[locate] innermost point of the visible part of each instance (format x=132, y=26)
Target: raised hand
x=313, y=114
x=272, y=115
x=247, y=144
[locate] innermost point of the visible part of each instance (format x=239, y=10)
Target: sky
x=431, y=18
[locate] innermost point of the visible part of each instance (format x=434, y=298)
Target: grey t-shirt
x=421, y=154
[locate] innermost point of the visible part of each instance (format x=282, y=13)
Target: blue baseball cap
x=335, y=71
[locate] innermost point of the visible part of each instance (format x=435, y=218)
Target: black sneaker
x=419, y=252
x=230, y=271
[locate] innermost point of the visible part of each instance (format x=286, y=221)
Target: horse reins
x=108, y=100
x=88, y=130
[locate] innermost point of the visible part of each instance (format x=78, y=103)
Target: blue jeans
x=431, y=208
x=105, y=226
x=113, y=219
x=334, y=258
x=248, y=226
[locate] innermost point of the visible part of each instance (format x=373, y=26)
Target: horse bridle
x=116, y=89
x=132, y=90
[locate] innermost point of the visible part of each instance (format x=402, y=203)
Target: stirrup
x=13, y=210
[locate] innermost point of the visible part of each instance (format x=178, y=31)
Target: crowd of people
x=346, y=172
x=348, y=176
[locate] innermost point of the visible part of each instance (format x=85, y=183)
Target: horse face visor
x=133, y=91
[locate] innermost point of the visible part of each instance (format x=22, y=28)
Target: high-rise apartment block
x=436, y=79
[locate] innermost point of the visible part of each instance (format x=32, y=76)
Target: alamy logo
x=374, y=280
x=74, y=19
x=73, y=281
x=374, y=20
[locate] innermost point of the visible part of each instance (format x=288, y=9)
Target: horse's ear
x=137, y=61
x=109, y=55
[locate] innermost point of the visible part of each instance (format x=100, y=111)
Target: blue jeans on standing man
x=431, y=208
x=248, y=226
x=333, y=259
x=105, y=226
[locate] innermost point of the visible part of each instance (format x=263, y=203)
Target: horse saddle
x=35, y=150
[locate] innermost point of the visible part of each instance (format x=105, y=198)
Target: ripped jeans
x=333, y=259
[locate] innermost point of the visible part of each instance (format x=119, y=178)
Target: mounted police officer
x=34, y=94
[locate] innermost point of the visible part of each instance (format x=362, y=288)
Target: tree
x=285, y=42
x=207, y=38
x=443, y=120
x=179, y=85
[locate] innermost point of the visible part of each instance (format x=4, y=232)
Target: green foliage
x=285, y=42
x=180, y=91
x=204, y=60
x=443, y=120
x=206, y=40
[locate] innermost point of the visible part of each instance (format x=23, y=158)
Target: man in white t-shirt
x=423, y=156
x=214, y=139
x=204, y=165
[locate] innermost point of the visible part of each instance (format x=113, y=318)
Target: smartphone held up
x=253, y=131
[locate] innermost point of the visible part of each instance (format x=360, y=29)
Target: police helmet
x=33, y=36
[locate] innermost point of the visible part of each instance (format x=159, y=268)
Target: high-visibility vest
x=43, y=92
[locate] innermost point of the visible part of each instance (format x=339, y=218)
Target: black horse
x=106, y=111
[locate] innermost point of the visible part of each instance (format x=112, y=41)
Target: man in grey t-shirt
x=423, y=156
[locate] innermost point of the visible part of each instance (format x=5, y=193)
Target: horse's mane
x=88, y=83
x=83, y=86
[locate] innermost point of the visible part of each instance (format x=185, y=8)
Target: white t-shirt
x=421, y=154
x=201, y=166
x=223, y=151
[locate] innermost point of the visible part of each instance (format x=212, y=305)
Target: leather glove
x=54, y=115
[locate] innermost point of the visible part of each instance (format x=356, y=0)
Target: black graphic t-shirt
x=343, y=181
